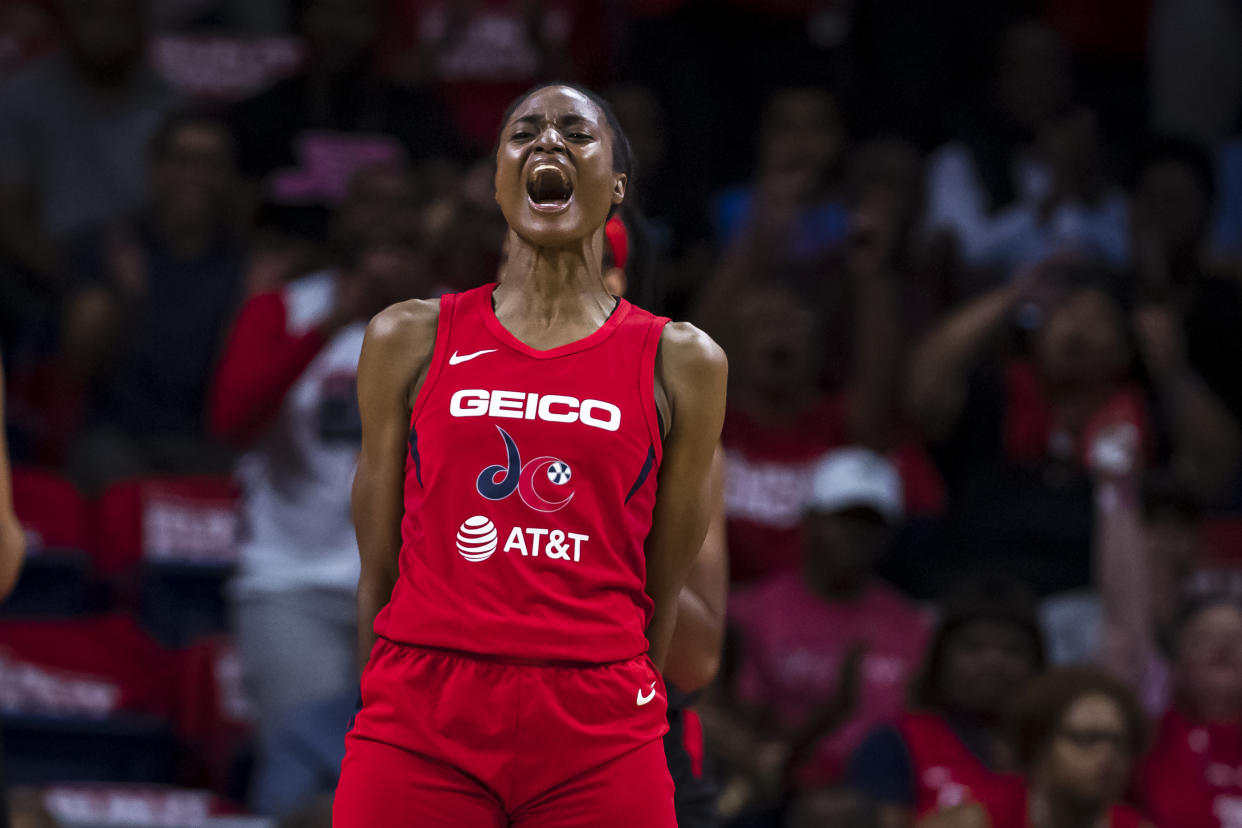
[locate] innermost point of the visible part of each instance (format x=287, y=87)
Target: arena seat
x=58, y=575
x=174, y=540
x=87, y=698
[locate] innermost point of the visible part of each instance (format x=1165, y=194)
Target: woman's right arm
x=395, y=356
x=941, y=365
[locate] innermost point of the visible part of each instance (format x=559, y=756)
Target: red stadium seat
x=51, y=510
x=168, y=520
x=58, y=578
x=100, y=698
x=214, y=715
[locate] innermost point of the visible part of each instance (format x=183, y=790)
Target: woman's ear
x=618, y=188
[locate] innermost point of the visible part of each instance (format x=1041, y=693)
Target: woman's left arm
x=12, y=538
x=693, y=371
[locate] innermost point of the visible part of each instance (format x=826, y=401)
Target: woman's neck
x=552, y=295
x=1046, y=811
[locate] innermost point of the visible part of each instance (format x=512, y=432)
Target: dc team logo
x=538, y=482
x=476, y=539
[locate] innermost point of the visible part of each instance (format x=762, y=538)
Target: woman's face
x=1088, y=758
x=1083, y=340
x=555, y=181
x=983, y=663
x=1209, y=661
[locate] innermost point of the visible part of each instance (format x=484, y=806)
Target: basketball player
x=513, y=439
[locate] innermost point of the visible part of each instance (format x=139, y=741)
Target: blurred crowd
x=977, y=265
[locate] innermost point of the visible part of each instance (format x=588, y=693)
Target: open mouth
x=549, y=188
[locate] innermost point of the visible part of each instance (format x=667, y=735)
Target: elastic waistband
x=515, y=661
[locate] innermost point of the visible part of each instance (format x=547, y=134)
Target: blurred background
x=977, y=265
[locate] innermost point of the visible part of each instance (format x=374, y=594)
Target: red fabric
x=768, y=481
x=1192, y=776
x=165, y=518
x=50, y=509
x=260, y=364
x=692, y=741
x=46, y=405
x=214, y=716
x=618, y=241
x=1006, y=804
x=103, y=665
x=1030, y=425
x=84, y=666
x=526, y=514
x=946, y=773
x=436, y=738
x=789, y=666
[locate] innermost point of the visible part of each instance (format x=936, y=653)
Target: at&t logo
x=477, y=540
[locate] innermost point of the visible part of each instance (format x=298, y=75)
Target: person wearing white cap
x=826, y=653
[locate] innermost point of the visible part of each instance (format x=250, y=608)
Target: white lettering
x=556, y=547
x=556, y=544
x=589, y=417
x=770, y=493
x=546, y=412
x=578, y=539
x=517, y=540
x=536, y=535
x=507, y=404
x=551, y=408
x=469, y=402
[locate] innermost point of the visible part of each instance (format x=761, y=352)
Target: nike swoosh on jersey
x=455, y=359
x=643, y=699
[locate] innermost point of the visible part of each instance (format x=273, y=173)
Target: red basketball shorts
x=444, y=739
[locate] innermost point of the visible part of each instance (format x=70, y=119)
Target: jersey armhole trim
x=444, y=327
x=646, y=385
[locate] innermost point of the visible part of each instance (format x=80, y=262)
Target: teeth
x=551, y=167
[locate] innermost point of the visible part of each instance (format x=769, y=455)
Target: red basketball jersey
x=1008, y=806
x=1192, y=776
x=529, y=486
x=946, y=772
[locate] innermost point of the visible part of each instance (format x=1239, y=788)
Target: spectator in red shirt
x=987, y=645
x=777, y=426
x=1020, y=441
x=802, y=637
x=1075, y=733
x=1192, y=778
